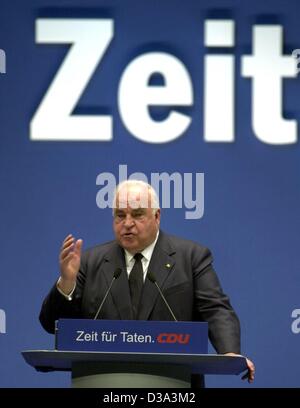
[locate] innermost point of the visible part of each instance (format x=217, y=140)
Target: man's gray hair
x=143, y=185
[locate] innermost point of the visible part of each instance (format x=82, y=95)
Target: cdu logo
x=2, y=321
x=173, y=338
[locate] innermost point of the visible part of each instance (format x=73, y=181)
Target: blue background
x=48, y=189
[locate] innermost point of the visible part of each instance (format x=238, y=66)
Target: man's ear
x=157, y=216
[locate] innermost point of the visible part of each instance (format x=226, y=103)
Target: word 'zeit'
x=267, y=66
x=2, y=321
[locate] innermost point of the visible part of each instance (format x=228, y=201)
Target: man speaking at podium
x=144, y=274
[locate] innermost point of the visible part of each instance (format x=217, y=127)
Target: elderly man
x=183, y=269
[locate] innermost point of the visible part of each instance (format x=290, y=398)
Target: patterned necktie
x=136, y=282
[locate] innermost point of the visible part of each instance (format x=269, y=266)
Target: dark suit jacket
x=184, y=272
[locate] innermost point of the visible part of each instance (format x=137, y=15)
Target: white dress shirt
x=147, y=254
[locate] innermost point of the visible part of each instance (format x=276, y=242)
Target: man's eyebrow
x=119, y=211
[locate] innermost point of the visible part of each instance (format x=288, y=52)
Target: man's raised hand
x=69, y=262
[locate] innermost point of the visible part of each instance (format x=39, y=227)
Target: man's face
x=135, y=224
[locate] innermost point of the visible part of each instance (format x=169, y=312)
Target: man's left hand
x=251, y=367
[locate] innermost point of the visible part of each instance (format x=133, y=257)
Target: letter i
x=219, y=83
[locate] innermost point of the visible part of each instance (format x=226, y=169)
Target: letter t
x=267, y=67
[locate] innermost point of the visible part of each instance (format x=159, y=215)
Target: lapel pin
x=168, y=265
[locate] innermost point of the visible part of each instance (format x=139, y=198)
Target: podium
x=142, y=354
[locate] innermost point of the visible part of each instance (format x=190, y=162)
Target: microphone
x=117, y=273
x=152, y=279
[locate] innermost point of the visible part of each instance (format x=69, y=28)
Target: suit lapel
x=120, y=290
x=161, y=265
